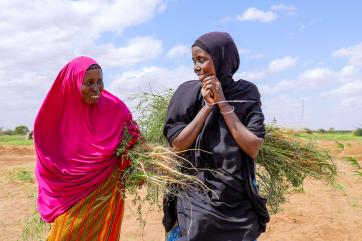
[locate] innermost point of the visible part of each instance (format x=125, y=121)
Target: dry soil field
x=321, y=212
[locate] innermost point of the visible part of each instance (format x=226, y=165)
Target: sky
x=305, y=57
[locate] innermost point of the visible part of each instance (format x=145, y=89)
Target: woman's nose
x=95, y=87
x=196, y=68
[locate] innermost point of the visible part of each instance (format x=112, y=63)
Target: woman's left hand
x=212, y=83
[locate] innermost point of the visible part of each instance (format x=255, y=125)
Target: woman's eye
x=202, y=61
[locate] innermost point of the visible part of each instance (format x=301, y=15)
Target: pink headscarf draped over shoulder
x=75, y=142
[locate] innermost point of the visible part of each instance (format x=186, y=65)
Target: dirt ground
x=321, y=212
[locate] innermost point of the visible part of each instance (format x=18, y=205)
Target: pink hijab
x=75, y=142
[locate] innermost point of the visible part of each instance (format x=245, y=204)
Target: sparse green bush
x=21, y=175
x=358, y=132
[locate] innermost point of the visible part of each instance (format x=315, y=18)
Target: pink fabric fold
x=75, y=142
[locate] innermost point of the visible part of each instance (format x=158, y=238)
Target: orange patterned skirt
x=96, y=217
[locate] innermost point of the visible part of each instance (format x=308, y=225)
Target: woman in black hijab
x=222, y=120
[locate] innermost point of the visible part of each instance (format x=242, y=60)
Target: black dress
x=233, y=211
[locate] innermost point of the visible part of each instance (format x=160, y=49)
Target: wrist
x=225, y=108
x=223, y=105
x=208, y=106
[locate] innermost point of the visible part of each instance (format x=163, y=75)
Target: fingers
x=208, y=86
x=207, y=92
x=210, y=93
x=213, y=85
x=208, y=96
x=211, y=80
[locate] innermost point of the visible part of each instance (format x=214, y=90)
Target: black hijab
x=224, y=55
x=215, y=137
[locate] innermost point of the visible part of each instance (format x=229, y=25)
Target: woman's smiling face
x=203, y=64
x=92, y=86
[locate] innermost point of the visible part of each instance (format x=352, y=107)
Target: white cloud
x=42, y=31
x=178, y=51
x=89, y=16
x=269, y=89
x=243, y=51
x=254, y=14
x=287, y=110
x=321, y=79
x=354, y=102
x=349, y=73
x=38, y=37
x=313, y=111
x=257, y=56
x=149, y=79
x=139, y=49
x=21, y=97
x=282, y=63
x=317, y=76
x=288, y=9
x=250, y=54
x=146, y=80
x=347, y=95
x=324, y=76
x=353, y=53
x=348, y=89
x=250, y=76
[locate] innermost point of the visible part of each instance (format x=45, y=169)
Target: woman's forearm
x=247, y=140
x=188, y=135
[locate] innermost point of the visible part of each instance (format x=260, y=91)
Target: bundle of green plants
x=154, y=166
x=284, y=161
x=157, y=167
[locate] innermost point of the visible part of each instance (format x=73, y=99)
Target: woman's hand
x=207, y=95
x=212, y=86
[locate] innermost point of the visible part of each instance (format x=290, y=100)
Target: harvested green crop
x=284, y=160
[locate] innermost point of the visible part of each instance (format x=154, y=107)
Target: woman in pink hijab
x=76, y=133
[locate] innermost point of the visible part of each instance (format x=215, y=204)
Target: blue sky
x=304, y=56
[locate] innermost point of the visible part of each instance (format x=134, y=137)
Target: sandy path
x=319, y=213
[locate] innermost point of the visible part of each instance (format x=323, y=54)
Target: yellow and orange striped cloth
x=96, y=217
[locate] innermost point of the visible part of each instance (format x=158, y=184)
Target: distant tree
x=357, y=132
x=5, y=131
x=21, y=130
x=307, y=130
x=331, y=129
x=321, y=130
x=9, y=132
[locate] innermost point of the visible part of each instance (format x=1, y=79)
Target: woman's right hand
x=207, y=95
